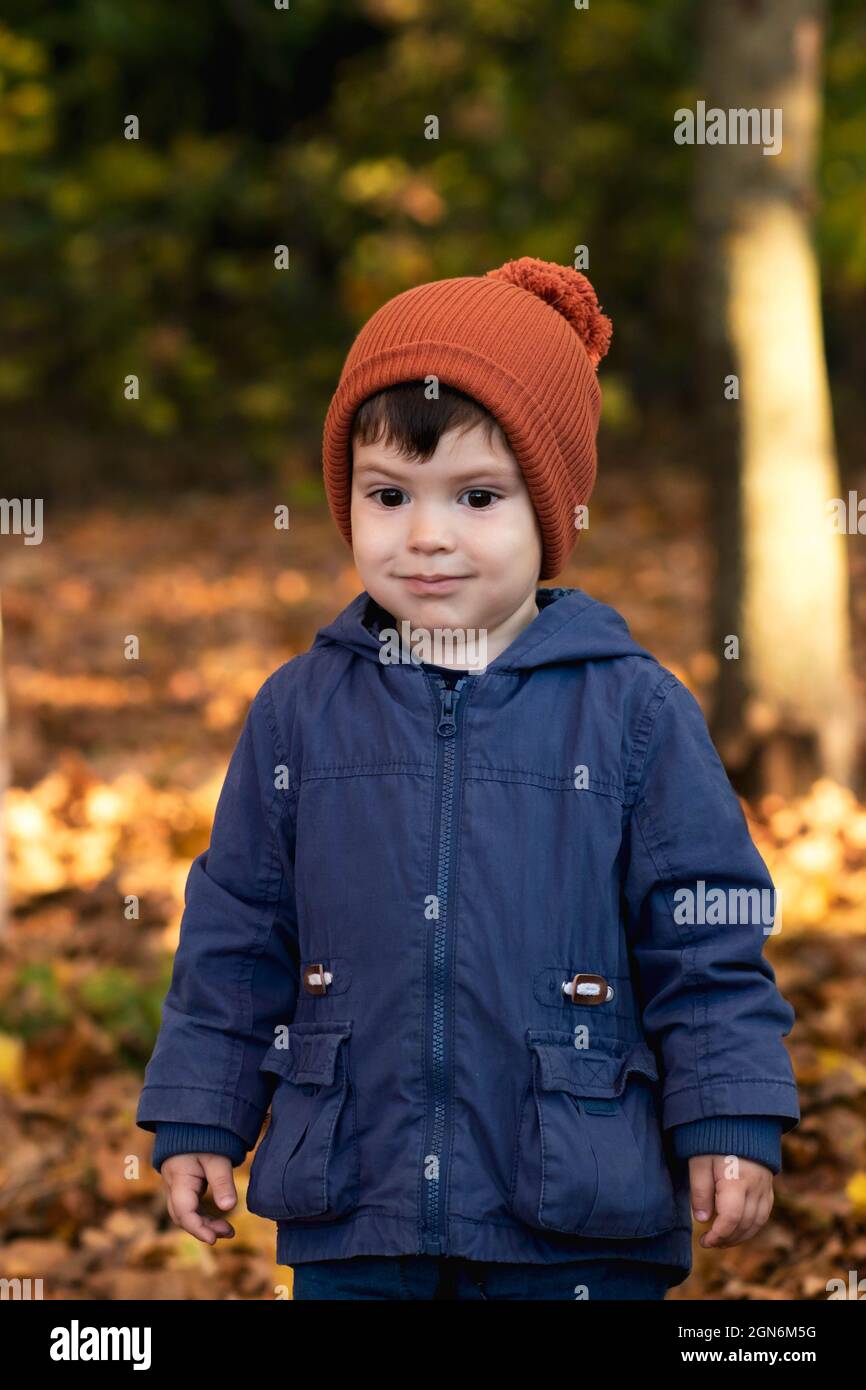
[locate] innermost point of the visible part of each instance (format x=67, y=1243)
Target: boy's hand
x=741, y=1203
x=186, y=1176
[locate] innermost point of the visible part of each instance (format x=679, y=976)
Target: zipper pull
x=448, y=696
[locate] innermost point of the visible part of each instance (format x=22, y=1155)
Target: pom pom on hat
x=567, y=291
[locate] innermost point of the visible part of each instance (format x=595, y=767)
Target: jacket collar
x=571, y=626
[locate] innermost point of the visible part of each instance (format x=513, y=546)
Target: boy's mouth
x=425, y=584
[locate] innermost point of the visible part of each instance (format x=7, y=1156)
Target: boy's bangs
x=404, y=417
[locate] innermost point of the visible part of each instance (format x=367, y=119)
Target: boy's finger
x=762, y=1215
x=730, y=1202
x=183, y=1203
x=756, y=1218
x=203, y=1227
x=703, y=1186
x=216, y=1224
x=747, y=1224
x=218, y=1170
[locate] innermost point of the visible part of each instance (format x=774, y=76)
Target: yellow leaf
x=855, y=1191
x=831, y=1059
x=11, y=1062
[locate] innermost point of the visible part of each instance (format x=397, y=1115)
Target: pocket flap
x=600, y=1070
x=310, y=1054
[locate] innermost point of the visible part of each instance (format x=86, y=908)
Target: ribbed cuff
x=173, y=1138
x=758, y=1137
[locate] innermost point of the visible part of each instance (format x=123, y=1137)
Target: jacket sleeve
x=236, y=969
x=174, y=1139
x=758, y=1137
x=698, y=902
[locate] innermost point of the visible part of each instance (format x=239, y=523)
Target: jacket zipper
x=446, y=728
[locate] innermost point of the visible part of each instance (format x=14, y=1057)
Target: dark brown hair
x=405, y=418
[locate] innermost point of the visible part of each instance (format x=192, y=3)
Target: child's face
x=463, y=512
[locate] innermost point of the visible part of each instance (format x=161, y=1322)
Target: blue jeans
x=452, y=1277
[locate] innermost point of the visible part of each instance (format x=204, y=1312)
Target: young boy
x=484, y=927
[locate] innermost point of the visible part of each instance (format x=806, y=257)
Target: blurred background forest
x=156, y=257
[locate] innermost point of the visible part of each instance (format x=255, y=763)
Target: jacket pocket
x=307, y=1167
x=589, y=1157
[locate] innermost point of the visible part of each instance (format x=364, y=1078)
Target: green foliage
x=35, y=1003
x=124, y=1005
x=154, y=257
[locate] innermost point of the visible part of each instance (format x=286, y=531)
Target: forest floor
x=115, y=768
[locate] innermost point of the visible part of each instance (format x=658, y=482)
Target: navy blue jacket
x=406, y=876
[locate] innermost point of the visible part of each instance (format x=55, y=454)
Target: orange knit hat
x=525, y=341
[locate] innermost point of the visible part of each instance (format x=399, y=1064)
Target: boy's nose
x=429, y=526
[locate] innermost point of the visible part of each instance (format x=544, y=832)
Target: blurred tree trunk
x=784, y=711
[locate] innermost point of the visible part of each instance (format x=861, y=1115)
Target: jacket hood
x=571, y=626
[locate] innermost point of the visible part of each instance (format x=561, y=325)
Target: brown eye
x=479, y=492
x=391, y=491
